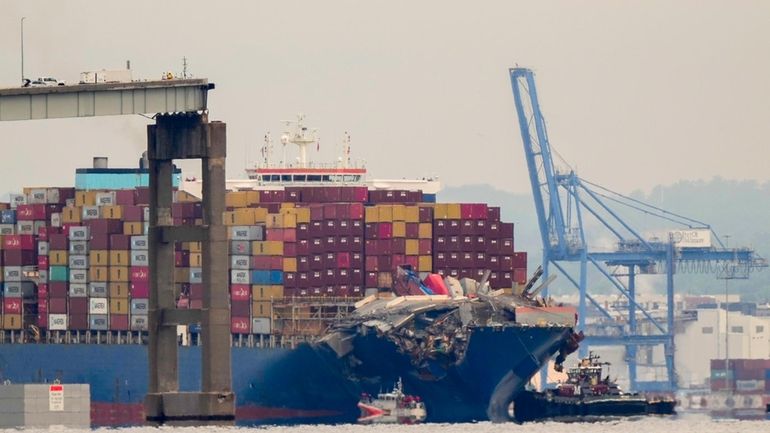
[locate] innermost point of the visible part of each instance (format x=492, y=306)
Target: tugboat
x=393, y=407
x=586, y=396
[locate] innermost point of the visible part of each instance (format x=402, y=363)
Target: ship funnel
x=100, y=162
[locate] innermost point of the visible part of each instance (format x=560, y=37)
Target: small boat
x=393, y=407
x=586, y=395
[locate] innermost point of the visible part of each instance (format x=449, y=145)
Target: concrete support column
x=215, y=329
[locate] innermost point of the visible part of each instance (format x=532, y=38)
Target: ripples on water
x=679, y=424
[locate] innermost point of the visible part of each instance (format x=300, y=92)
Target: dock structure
x=182, y=131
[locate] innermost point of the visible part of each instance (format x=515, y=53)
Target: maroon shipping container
x=371, y=231
x=104, y=226
x=412, y=230
x=182, y=259
x=520, y=259
x=479, y=211
x=119, y=322
x=303, y=247
x=385, y=263
x=343, y=260
x=124, y=197
x=520, y=275
x=19, y=242
x=292, y=194
x=317, y=245
x=78, y=321
x=330, y=243
x=316, y=212
x=506, y=230
x=20, y=257
x=120, y=242
x=493, y=213
x=441, y=227
x=398, y=246
x=356, y=260
x=303, y=263
x=370, y=278
x=440, y=260
x=99, y=241
x=274, y=234
x=384, y=230
x=356, y=277
x=196, y=292
x=142, y=195
x=290, y=279
x=57, y=305
x=397, y=260
x=133, y=213
x=317, y=262
x=343, y=209
x=78, y=305
x=289, y=235
x=506, y=246
x=506, y=262
x=479, y=243
x=372, y=264
x=240, y=308
x=240, y=292
x=493, y=263
x=426, y=214
x=330, y=211
x=468, y=227
x=329, y=228
x=58, y=242
x=356, y=227
x=42, y=306
x=57, y=289
x=493, y=246
x=356, y=211
x=425, y=247
x=466, y=211
x=303, y=279
x=140, y=290
x=240, y=325
x=360, y=193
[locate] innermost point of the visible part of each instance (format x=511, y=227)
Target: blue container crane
x=568, y=207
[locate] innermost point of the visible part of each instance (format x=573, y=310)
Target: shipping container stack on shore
x=742, y=390
x=77, y=260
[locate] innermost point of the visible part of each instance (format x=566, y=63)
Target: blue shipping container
x=8, y=216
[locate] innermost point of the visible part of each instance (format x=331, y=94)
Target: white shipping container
x=79, y=276
x=52, y=195
x=78, y=262
x=57, y=322
x=37, y=196
x=25, y=228
x=79, y=233
x=42, y=248
x=7, y=229
x=196, y=275
x=240, y=262
x=12, y=273
x=12, y=289
x=56, y=219
x=238, y=276
x=139, y=242
x=260, y=325
x=140, y=306
x=138, y=322
x=17, y=199
x=98, y=306
x=240, y=247
x=78, y=290
x=91, y=212
x=99, y=322
x=750, y=385
x=140, y=258
x=97, y=289
x=78, y=247
x=146, y=216
x=246, y=233
x=105, y=198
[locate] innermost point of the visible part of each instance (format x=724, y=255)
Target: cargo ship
x=306, y=243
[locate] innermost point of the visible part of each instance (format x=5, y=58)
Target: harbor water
x=678, y=424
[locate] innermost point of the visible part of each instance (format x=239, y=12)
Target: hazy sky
x=635, y=93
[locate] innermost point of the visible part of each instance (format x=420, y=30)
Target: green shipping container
x=58, y=273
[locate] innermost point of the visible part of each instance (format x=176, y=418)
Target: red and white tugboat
x=393, y=407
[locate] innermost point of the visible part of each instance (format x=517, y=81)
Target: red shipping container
x=119, y=322
x=343, y=210
x=42, y=320
x=274, y=234
x=260, y=263
x=289, y=235
x=42, y=291
x=140, y=289
x=316, y=212
x=371, y=231
x=57, y=289
x=196, y=304
x=397, y=260
x=384, y=263
x=32, y=212
x=140, y=274
x=42, y=233
x=133, y=213
x=120, y=242
x=520, y=276
x=480, y=211
x=330, y=211
x=356, y=260
x=19, y=242
x=466, y=211
x=360, y=193
x=398, y=246
x=240, y=308
x=370, y=279
x=520, y=259
x=343, y=260
x=240, y=292
x=12, y=305
x=240, y=325
x=289, y=249
x=142, y=195
x=384, y=230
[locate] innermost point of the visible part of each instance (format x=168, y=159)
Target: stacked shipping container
x=78, y=260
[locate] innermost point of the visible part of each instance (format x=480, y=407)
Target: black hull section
x=536, y=406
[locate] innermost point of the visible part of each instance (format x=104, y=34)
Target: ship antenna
x=346, y=150
x=184, y=67
x=267, y=150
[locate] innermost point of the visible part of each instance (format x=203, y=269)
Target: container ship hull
x=308, y=384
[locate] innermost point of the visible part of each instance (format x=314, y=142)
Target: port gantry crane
x=568, y=207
